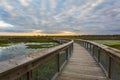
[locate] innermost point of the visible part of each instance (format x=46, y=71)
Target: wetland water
x=13, y=50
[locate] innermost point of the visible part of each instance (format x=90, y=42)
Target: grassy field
x=36, y=46
x=4, y=40
x=111, y=43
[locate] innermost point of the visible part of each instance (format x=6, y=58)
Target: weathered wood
x=81, y=66
x=29, y=75
x=105, y=60
x=14, y=68
x=113, y=53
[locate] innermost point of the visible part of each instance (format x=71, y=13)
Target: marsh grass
x=111, y=43
x=36, y=46
x=5, y=40
x=3, y=45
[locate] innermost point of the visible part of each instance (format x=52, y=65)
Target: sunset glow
x=59, y=17
x=35, y=33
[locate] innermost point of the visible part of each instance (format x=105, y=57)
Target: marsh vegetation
x=111, y=43
x=16, y=46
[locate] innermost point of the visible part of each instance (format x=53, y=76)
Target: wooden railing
x=43, y=65
x=108, y=58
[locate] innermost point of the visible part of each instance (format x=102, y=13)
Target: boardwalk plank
x=81, y=66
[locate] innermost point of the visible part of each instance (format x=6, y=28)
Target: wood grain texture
x=81, y=66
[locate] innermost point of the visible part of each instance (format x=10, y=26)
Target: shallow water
x=13, y=50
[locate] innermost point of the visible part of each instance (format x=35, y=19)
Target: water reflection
x=13, y=50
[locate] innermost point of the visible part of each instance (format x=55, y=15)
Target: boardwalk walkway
x=81, y=66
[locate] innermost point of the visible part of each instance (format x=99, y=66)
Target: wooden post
x=93, y=51
x=72, y=48
x=98, y=55
x=86, y=45
x=58, y=62
x=67, y=53
x=90, y=47
x=29, y=75
x=109, y=68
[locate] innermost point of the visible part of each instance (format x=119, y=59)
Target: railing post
x=29, y=75
x=93, y=50
x=99, y=55
x=67, y=53
x=90, y=48
x=58, y=62
x=109, y=68
x=72, y=48
x=87, y=46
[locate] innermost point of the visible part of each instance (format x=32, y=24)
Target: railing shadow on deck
x=44, y=65
x=108, y=58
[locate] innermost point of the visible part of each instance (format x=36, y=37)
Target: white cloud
x=53, y=4
x=5, y=25
x=59, y=15
x=89, y=7
x=6, y=4
x=24, y=2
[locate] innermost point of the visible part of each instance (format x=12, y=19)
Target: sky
x=33, y=17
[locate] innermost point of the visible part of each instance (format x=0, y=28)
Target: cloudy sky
x=60, y=16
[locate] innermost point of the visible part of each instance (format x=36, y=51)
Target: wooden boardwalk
x=81, y=66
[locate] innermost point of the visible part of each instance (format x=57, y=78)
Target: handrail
x=23, y=67
x=107, y=57
x=61, y=40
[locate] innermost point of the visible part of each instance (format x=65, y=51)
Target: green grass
x=111, y=43
x=4, y=40
x=3, y=45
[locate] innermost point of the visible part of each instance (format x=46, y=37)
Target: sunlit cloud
x=24, y=2
x=5, y=25
x=66, y=32
x=7, y=5
x=37, y=31
x=60, y=16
